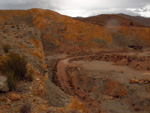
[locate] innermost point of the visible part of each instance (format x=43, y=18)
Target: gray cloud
x=144, y=11
x=79, y=7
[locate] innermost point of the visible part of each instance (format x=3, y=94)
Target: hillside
x=112, y=20
x=72, y=64
x=57, y=30
x=142, y=20
x=19, y=37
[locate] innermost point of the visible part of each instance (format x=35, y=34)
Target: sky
x=83, y=8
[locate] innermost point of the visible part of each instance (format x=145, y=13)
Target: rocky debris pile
x=139, y=81
x=26, y=93
x=136, y=62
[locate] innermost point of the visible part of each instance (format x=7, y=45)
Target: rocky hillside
x=40, y=95
x=57, y=30
x=25, y=41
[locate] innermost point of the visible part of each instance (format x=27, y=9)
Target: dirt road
x=103, y=86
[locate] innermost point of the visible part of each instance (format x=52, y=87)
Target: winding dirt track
x=62, y=75
x=112, y=85
x=69, y=86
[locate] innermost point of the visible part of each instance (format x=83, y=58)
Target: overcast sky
x=83, y=8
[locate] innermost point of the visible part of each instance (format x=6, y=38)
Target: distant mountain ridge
x=139, y=19
x=116, y=20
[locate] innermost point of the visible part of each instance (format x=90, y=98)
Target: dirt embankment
x=141, y=63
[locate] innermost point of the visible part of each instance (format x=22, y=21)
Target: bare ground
x=108, y=81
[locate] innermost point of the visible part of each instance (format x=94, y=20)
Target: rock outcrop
x=3, y=84
x=25, y=41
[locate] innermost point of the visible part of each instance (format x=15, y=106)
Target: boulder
x=3, y=84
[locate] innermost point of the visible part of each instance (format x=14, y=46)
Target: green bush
x=12, y=81
x=16, y=64
x=6, y=48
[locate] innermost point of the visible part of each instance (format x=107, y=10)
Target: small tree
x=131, y=23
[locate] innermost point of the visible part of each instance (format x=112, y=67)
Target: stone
x=15, y=97
x=37, y=79
x=3, y=84
x=43, y=108
x=134, y=80
x=8, y=107
x=8, y=102
x=30, y=88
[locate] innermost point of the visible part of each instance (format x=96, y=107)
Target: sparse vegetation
x=26, y=108
x=12, y=81
x=14, y=66
x=6, y=48
x=15, y=63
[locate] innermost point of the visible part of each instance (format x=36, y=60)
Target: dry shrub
x=16, y=64
x=6, y=48
x=12, y=81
